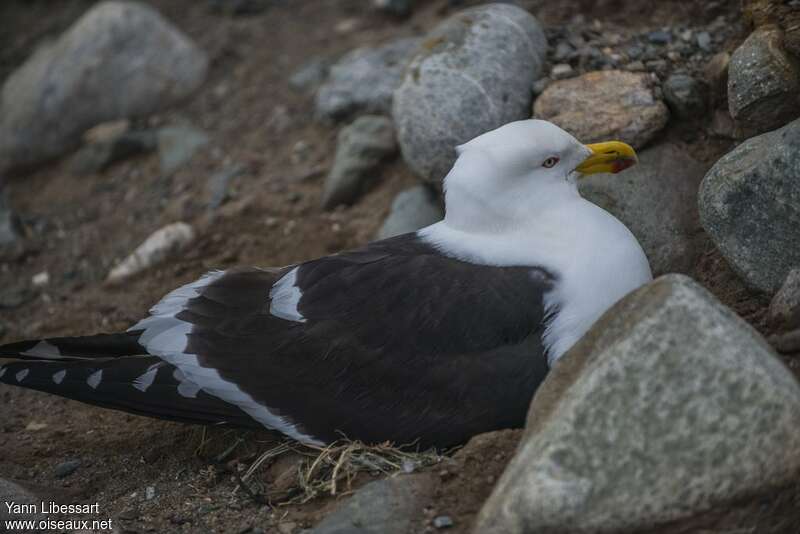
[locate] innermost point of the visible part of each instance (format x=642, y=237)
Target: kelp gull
x=427, y=338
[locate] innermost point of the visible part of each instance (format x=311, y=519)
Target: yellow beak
x=611, y=156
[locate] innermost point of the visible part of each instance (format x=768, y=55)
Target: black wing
x=394, y=342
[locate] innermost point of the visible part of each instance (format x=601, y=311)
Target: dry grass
x=331, y=470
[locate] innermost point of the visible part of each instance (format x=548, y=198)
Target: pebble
x=704, y=41
x=784, y=310
x=150, y=493
x=309, y=76
x=40, y=279
x=442, y=521
x=64, y=469
x=685, y=96
x=660, y=37
x=161, y=244
x=561, y=71
x=177, y=145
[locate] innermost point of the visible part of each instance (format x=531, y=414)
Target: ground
x=166, y=477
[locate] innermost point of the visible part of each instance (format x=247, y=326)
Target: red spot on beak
x=621, y=164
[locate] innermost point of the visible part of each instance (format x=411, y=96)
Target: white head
x=507, y=175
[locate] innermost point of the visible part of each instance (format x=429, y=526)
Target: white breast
x=595, y=257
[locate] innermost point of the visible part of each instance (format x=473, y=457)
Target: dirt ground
x=155, y=476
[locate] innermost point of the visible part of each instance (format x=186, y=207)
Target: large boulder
x=473, y=73
x=604, y=105
x=656, y=200
x=670, y=414
x=121, y=59
x=750, y=206
x=763, y=84
x=364, y=80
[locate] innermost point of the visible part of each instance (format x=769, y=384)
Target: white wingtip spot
x=285, y=296
x=143, y=382
x=94, y=379
x=20, y=376
x=43, y=349
x=2, y=371
x=59, y=376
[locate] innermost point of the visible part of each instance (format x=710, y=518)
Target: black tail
x=113, y=371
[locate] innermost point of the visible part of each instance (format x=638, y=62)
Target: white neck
x=594, y=257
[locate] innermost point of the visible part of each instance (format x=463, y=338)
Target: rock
x=98, y=156
x=161, y=244
x=704, y=41
x=388, y=506
x=685, y=96
x=473, y=73
x=219, y=185
x=722, y=124
x=9, y=226
x=40, y=279
x=362, y=147
x=309, y=76
x=12, y=492
x=561, y=71
x=763, y=84
x=716, y=75
x=121, y=59
x=604, y=105
x=411, y=210
x=786, y=343
x=239, y=7
x=776, y=13
x=784, y=310
x=399, y=8
x=363, y=80
x=65, y=469
x=442, y=521
x=177, y=144
x=665, y=415
x=750, y=206
x=656, y=201
x=660, y=37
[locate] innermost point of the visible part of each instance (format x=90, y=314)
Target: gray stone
x=669, y=410
x=473, y=73
x=95, y=157
x=763, y=84
x=309, y=76
x=704, y=41
x=784, y=310
x=399, y=8
x=12, y=492
x=412, y=209
x=121, y=59
x=389, y=506
x=364, y=80
x=750, y=206
x=177, y=144
x=656, y=200
x=685, y=96
x=8, y=222
x=603, y=105
x=65, y=469
x=660, y=37
x=361, y=148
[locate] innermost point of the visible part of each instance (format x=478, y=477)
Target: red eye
x=550, y=162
